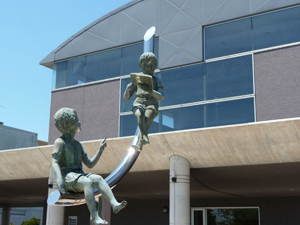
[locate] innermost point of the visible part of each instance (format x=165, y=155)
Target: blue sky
x=30, y=30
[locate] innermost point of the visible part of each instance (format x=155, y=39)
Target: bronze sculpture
x=145, y=106
x=67, y=157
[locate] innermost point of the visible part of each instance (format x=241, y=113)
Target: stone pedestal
x=179, y=191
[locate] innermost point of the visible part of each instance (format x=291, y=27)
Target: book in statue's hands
x=137, y=78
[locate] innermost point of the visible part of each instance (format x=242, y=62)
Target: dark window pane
x=234, y=216
x=130, y=58
x=61, y=74
x=128, y=125
x=75, y=72
x=230, y=112
x=103, y=65
x=183, y=85
x=228, y=38
x=227, y=78
x=182, y=118
x=198, y=217
x=126, y=105
x=276, y=28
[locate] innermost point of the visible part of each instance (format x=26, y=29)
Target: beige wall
x=277, y=83
x=97, y=106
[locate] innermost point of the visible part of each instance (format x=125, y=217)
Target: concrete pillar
x=55, y=214
x=5, y=215
x=179, y=191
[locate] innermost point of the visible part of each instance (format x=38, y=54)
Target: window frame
x=204, y=209
x=204, y=102
x=247, y=52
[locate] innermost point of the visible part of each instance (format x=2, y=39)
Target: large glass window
x=230, y=112
x=252, y=33
x=18, y=215
x=183, y=85
x=203, y=95
x=130, y=58
x=103, y=65
x=228, y=38
x=225, y=216
x=60, y=70
x=99, y=66
x=200, y=82
x=196, y=116
x=231, y=216
x=228, y=78
x=128, y=125
x=75, y=72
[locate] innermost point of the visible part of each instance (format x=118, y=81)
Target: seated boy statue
x=145, y=106
x=67, y=157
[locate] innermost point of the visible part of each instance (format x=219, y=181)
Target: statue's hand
x=145, y=87
x=61, y=186
x=130, y=85
x=103, y=145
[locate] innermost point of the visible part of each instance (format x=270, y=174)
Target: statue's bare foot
x=99, y=221
x=145, y=142
x=119, y=206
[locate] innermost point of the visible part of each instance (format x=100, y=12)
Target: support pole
x=179, y=191
x=5, y=215
x=55, y=214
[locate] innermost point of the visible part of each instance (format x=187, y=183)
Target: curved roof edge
x=49, y=59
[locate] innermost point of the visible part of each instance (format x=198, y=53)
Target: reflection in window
x=237, y=216
x=257, y=32
x=128, y=125
x=18, y=215
x=228, y=38
x=183, y=118
x=75, y=72
x=130, y=58
x=168, y=120
x=183, y=85
x=230, y=112
x=207, y=81
x=197, y=116
x=227, y=78
x=276, y=28
x=99, y=66
x=60, y=74
x=103, y=65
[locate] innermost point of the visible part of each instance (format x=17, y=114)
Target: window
x=75, y=72
x=60, y=75
x=225, y=216
x=99, y=66
x=18, y=215
x=252, y=33
x=202, y=95
x=183, y=85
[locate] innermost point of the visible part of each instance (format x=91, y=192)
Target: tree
x=32, y=221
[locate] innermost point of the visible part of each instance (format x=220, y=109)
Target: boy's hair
x=64, y=119
x=147, y=56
